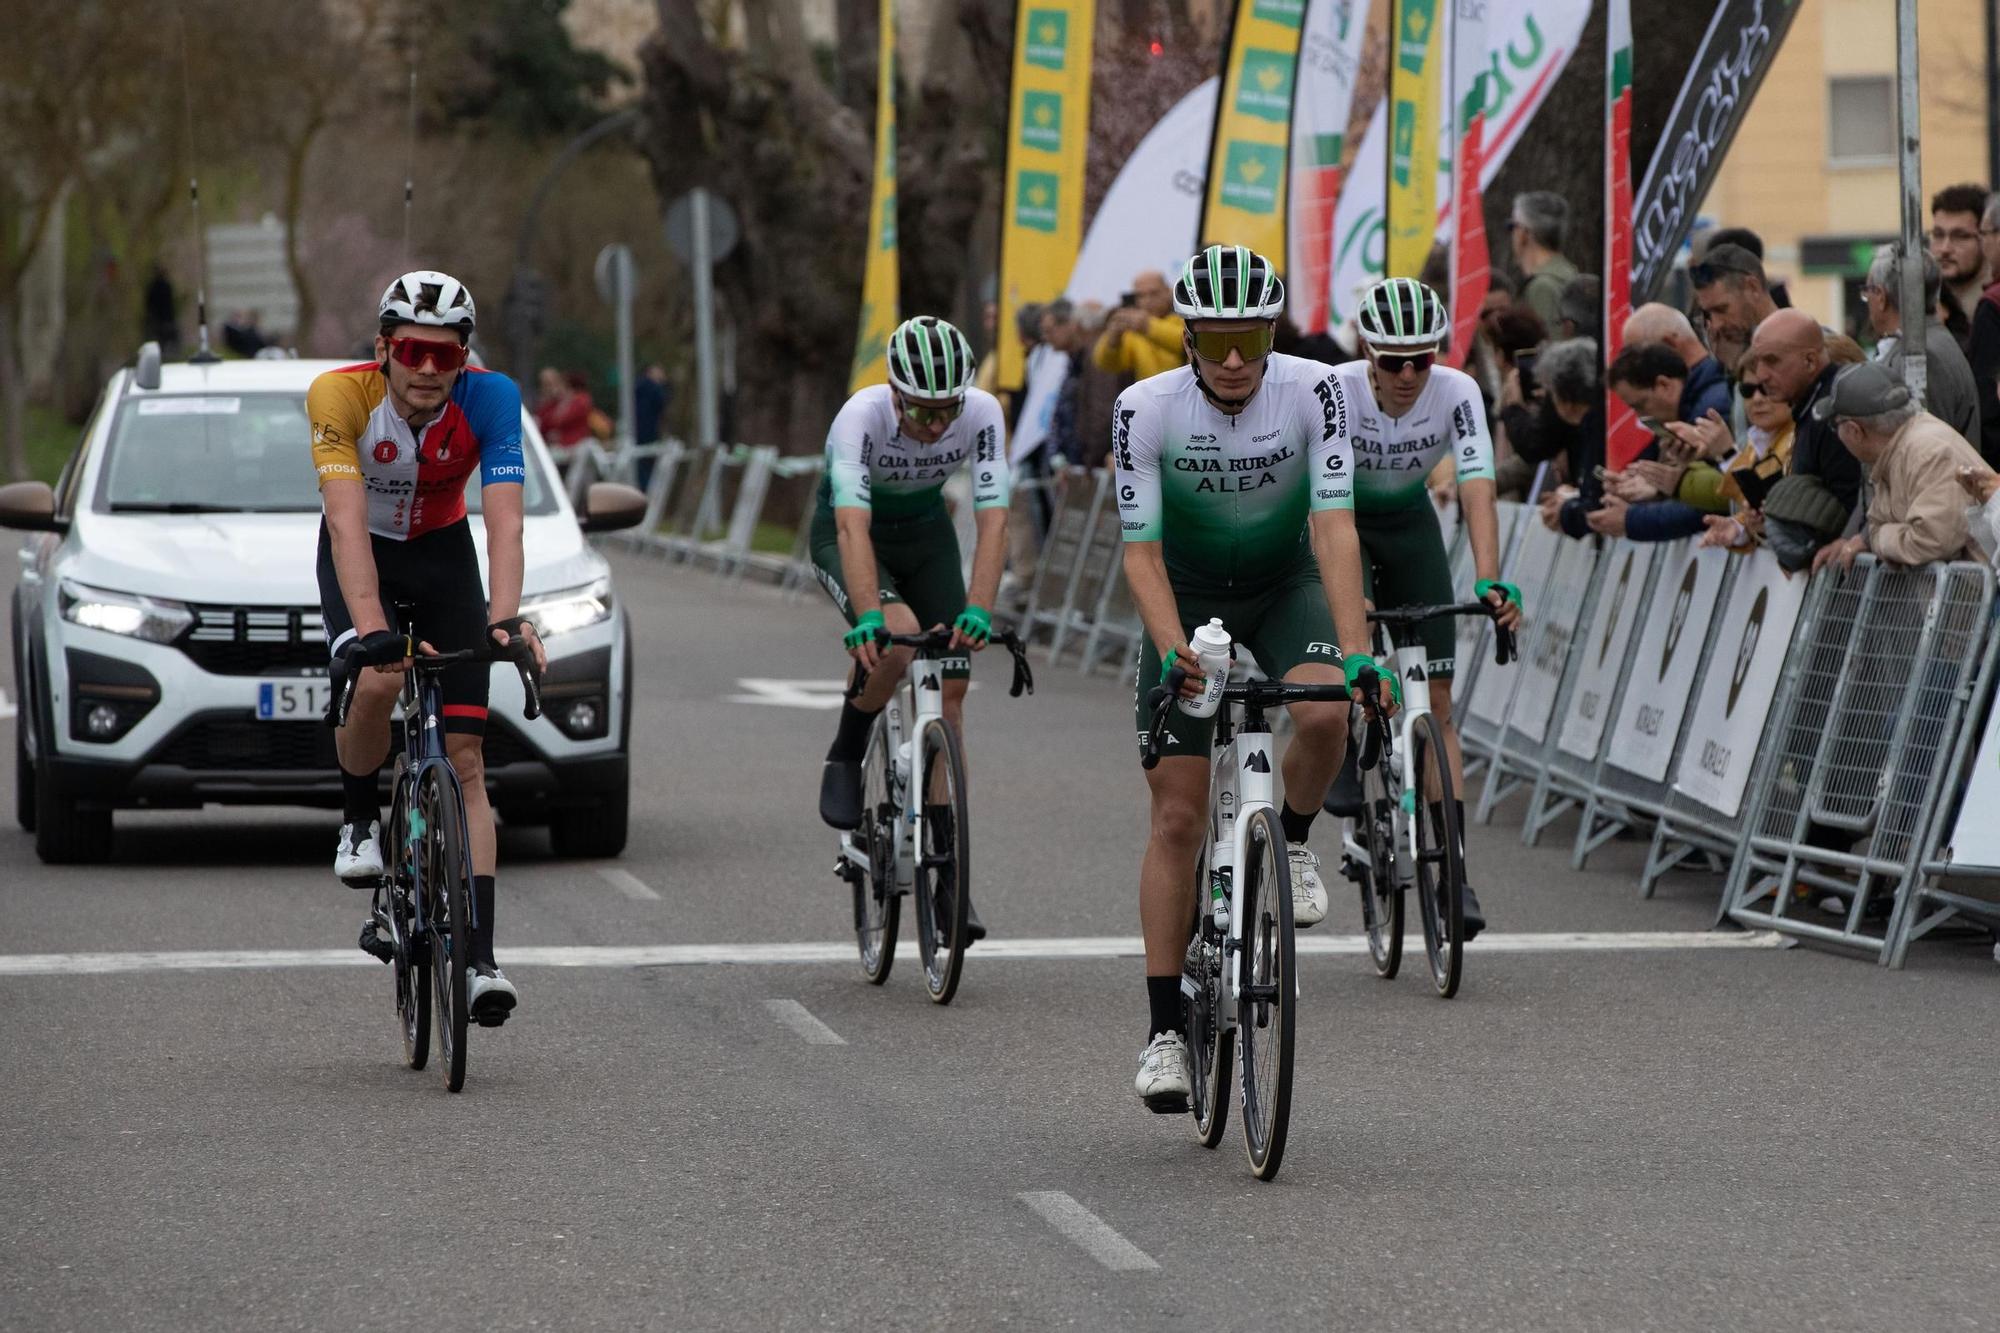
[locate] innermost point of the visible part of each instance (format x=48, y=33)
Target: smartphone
x=1524, y=364
x=1655, y=425
x=1127, y=300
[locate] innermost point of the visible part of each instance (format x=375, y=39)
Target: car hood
x=268, y=559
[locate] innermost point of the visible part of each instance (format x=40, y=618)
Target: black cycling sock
x=1296, y=825
x=358, y=799
x=1163, y=997
x=850, y=741
x=482, y=920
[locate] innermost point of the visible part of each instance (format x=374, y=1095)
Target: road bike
x=1239, y=980
x=913, y=837
x=1387, y=849
x=422, y=911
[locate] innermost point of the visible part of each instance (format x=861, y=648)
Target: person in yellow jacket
x=1144, y=336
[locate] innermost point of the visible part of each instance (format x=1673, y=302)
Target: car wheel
x=591, y=830
x=24, y=773
x=66, y=834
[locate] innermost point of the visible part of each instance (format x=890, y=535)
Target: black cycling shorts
x=438, y=574
x=916, y=562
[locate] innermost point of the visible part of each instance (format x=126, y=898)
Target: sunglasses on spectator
x=444, y=357
x=941, y=414
x=1750, y=389
x=1395, y=363
x=1253, y=344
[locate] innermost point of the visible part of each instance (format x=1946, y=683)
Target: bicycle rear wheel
x=943, y=879
x=445, y=881
x=1211, y=1043
x=1267, y=1004
x=876, y=909
x=413, y=978
x=1381, y=893
x=1440, y=864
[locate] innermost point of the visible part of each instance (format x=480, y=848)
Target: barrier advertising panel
x=1736, y=695
x=1548, y=654
x=1604, y=650
x=1642, y=740
x=1494, y=688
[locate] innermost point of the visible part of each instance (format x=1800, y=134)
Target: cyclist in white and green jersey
x=1406, y=415
x=1235, y=493
x=883, y=545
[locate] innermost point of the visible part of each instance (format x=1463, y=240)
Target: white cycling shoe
x=490, y=997
x=1308, y=893
x=358, y=857
x=1163, y=1081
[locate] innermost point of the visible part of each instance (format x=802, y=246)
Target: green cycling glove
x=867, y=626
x=974, y=623
x=1484, y=586
x=1355, y=663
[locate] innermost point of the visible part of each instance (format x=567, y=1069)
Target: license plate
x=292, y=700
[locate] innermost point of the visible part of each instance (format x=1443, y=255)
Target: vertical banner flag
x=1471, y=272
x=1250, y=147
x=1329, y=59
x=880, y=290
x=1048, y=130
x=1624, y=438
x=1416, y=80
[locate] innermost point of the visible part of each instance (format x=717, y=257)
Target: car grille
x=216, y=744
x=256, y=640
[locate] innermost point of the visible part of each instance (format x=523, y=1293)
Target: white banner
x=1149, y=216
x=1047, y=369
x=1322, y=107
x=1975, y=839
x=1541, y=674
x=1749, y=652
x=1604, y=646
x=1533, y=562
x=1649, y=721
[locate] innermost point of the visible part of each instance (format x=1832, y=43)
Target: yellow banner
x=880, y=295
x=1416, y=29
x=1048, y=131
x=1249, y=154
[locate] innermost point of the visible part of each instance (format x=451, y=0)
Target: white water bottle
x=1211, y=649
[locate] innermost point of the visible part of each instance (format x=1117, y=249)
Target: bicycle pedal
x=1168, y=1105
x=490, y=1020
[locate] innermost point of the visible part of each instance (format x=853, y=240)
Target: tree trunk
x=296, y=155
x=13, y=394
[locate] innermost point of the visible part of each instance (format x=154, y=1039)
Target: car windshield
x=232, y=453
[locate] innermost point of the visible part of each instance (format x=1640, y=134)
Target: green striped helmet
x=1402, y=313
x=928, y=358
x=1229, y=282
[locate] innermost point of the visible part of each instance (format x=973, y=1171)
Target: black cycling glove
x=383, y=647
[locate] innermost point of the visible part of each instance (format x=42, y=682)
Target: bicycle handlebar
x=1505, y=649
x=343, y=677
x=1251, y=693
x=933, y=641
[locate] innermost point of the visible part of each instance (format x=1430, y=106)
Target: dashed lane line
x=627, y=883
x=1088, y=1232
x=800, y=1020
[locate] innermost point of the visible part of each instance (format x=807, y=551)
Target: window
x=1861, y=120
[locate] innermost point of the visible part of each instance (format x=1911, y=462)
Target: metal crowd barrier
x=1059, y=566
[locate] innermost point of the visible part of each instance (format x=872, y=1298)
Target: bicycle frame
x=423, y=751
x=923, y=688
x=1410, y=660
x=1239, y=783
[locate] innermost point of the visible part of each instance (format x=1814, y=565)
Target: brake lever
x=1024, y=676
x=1505, y=649
x=342, y=676
x=1162, y=701
x=531, y=686
x=1372, y=725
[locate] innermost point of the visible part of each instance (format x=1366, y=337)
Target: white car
x=166, y=627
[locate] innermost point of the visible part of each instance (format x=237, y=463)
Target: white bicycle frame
x=1239, y=783
x=923, y=683
x=1410, y=660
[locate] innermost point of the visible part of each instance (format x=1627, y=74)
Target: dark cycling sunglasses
x=1750, y=389
x=1251, y=344
x=413, y=352
x=931, y=416
x=1394, y=363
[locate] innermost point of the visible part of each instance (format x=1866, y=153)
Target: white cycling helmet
x=426, y=296
x=1229, y=282
x=1402, y=314
x=930, y=359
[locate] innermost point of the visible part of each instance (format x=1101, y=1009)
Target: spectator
x=1582, y=307
x=1536, y=229
x=1950, y=393
x=161, y=319
x=1094, y=392
x=1643, y=500
x=1956, y=212
x=1790, y=355
x=1984, y=352
x=1751, y=241
x=241, y=334
x=651, y=397
x=1505, y=335
x=1731, y=292
x=1705, y=386
x=1143, y=336
x=1576, y=396
x=1062, y=329
x=1916, y=513
x=1744, y=480
x=1319, y=347
x=1027, y=327
x=563, y=413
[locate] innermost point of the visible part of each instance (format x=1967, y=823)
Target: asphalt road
x=1589, y=1137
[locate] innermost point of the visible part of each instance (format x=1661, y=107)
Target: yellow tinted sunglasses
x=1252, y=344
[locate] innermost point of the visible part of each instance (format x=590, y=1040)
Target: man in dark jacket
x=1790, y=351
x=1985, y=345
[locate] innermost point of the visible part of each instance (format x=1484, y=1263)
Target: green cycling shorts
x=916, y=561
x=1284, y=623
x=1404, y=563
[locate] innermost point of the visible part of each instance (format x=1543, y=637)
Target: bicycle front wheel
x=1381, y=893
x=1440, y=863
x=876, y=909
x=413, y=978
x=944, y=884
x=1267, y=1001
x=445, y=884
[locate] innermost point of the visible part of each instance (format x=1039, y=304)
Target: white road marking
x=1088, y=1232
x=800, y=1020
x=788, y=693
x=838, y=951
x=627, y=883
x=6, y=706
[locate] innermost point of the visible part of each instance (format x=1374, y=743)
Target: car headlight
x=570, y=608
x=131, y=614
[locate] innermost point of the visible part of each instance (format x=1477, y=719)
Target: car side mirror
x=607, y=507
x=31, y=507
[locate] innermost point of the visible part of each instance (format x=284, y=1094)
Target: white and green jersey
x=1393, y=455
x=871, y=464
x=1227, y=496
